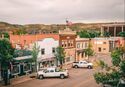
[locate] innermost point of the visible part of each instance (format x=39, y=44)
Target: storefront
x=48, y=62
x=21, y=66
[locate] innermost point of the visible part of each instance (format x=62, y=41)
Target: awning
x=46, y=59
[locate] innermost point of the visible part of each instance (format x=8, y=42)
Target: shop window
x=42, y=51
x=15, y=69
x=26, y=67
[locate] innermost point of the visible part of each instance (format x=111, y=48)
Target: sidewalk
x=67, y=66
x=21, y=79
x=18, y=80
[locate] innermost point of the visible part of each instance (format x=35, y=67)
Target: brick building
x=67, y=41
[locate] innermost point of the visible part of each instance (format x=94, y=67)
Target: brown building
x=113, y=29
x=81, y=45
x=67, y=41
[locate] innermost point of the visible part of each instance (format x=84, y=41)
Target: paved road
x=78, y=78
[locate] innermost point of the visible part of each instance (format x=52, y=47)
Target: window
x=99, y=49
x=104, y=48
x=51, y=70
x=69, y=44
x=42, y=51
x=86, y=45
x=78, y=45
x=53, y=50
x=104, y=42
x=82, y=55
x=82, y=45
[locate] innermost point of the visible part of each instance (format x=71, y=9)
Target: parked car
x=53, y=72
x=81, y=64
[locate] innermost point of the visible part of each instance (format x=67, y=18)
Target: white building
x=47, y=47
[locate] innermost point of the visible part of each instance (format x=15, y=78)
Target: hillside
x=54, y=28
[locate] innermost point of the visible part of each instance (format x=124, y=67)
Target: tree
x=122, y=34
x=60, y=55
x=6, y=56
x=6, y=35
x=35, y=52
x=106, y=34
x=115, y=74
x=89, y=34
x=89, y=51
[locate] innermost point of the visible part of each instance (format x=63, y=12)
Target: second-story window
x=78, y=45
x=42, y=51
x=53, y=50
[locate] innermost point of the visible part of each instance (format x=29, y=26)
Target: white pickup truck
x=81, y=64
x=52, y=72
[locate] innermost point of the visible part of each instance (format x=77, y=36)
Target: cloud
x=56, y=11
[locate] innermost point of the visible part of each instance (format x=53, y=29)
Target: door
x=85, y=64
x=46, y=73
x=21, y=69
x=81, y=64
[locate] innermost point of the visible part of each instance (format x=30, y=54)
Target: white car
x=52, y=72
x=81, y=64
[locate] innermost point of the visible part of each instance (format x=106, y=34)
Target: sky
x=57, y=11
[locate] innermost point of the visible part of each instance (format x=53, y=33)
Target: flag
x=69, y=23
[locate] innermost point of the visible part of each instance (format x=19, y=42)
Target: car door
x=47, y=73
x=81, y=64
x=52, y=73
x=85, y=64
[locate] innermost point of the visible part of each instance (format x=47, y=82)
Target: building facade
x=46, y=55
x=81, y=45
x=67, y=41
x=106, y=45
x=113, y=29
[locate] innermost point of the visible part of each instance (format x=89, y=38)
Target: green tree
x=89, y=34
x=6, y=35
x=106, y=34
x=60, y=55
x=6, y=56
x=89, y=51
x=35, y=52
x=122, y=34
x=115, y=73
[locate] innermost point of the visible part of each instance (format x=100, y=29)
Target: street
x=78, y=78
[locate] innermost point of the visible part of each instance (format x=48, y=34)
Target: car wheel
x=62, y=76
x=76, y=66
x=41, y=77
x=89, y=67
